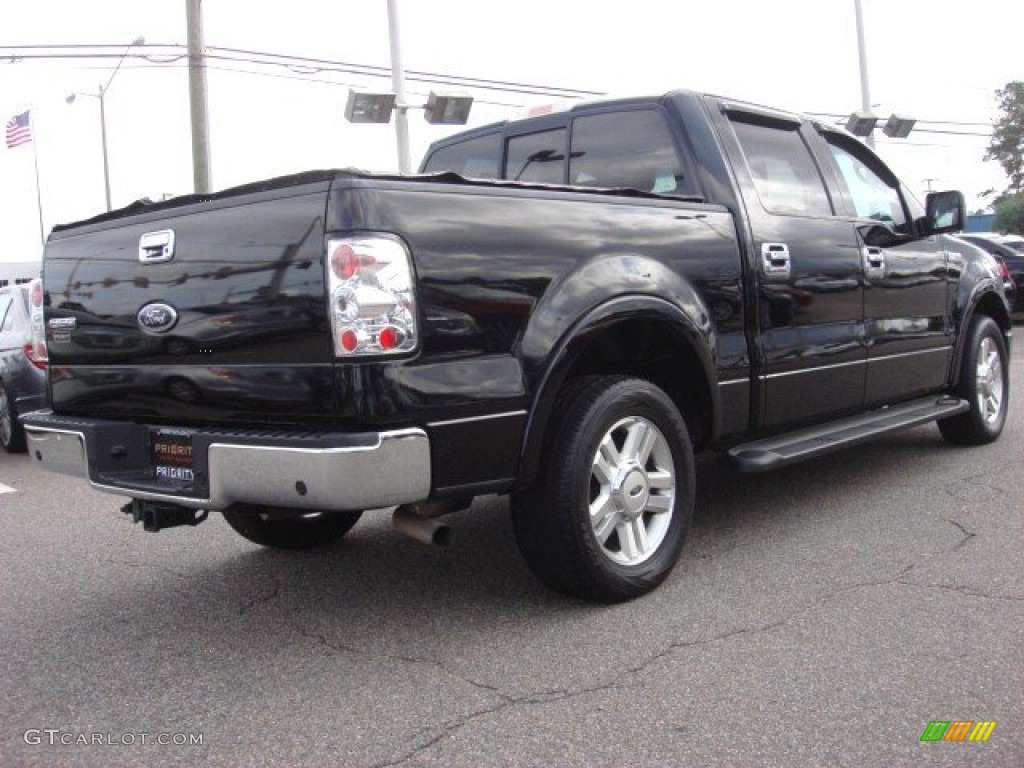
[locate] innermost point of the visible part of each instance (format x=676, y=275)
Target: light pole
x=398, y=83
x=865, y=91
x=103, y=113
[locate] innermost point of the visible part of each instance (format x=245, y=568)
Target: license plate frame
x=172, y=457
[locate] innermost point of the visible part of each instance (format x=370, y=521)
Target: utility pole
x=865, y=92
x=197, y=98
x=398, y=85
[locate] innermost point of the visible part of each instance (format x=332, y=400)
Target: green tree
x=1007, y=144
x=1010, y=214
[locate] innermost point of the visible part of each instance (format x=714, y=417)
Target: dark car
x=1010, y=250
x=22, y=365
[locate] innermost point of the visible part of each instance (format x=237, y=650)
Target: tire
x=984, y=383
x=12, y=433
x=607, y=517
x=289, y=529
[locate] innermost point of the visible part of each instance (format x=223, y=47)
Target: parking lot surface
x=824, y=614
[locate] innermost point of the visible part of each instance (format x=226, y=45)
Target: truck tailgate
x=208, y=311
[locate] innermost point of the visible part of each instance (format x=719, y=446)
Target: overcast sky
x=933, y=59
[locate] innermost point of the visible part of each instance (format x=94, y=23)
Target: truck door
x=810, y=320
x=908, y=333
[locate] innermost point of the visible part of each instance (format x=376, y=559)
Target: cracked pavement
x=822, y=615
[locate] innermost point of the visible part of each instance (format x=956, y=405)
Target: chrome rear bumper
x=322, y=472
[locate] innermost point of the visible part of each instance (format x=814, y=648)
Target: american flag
x=18, y=130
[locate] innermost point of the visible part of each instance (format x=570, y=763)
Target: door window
x=784, y=173
x=632, y=150
x=872, y=196
x=5, y=316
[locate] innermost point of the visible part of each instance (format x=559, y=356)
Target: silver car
x=22, y=364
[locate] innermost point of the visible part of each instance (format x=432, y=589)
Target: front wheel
x=281, y=529
x=608, y=515
x=984, y=383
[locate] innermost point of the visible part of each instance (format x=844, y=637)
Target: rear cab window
x=478, y=157
x=537, y=158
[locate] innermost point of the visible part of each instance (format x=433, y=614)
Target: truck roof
x=557, y=116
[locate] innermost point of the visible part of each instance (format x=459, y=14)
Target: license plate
x=172, y=457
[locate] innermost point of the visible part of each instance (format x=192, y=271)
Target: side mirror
x=880, y=235
x=946, y=212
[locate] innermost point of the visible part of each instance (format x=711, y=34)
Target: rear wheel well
x=659, y=353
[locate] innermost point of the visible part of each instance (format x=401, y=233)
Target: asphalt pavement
x=822, y=615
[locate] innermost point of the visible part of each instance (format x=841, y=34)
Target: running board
x=780, y=450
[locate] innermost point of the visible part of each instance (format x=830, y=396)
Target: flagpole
x=39, y=194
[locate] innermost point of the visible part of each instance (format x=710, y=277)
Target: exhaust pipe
x=422, y=529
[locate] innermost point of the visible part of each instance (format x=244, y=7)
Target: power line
x=175, y=53
x=919, y=120
x=315, y=65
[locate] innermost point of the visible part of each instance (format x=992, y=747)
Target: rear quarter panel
x=504, y=276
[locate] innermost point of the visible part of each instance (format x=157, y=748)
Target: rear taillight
x=33, y=356
x=38, y=354
x=372, y=294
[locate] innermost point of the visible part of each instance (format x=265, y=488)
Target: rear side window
x=477, y=158
x=785, y=175
x=537, y=157
x=624, y=149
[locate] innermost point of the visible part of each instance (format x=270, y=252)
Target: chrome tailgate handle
x=156, y=247
x=775, y=258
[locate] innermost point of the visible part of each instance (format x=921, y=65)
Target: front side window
x=873, y=198
x=784, y=173
x=538, y=158
x=632, y=150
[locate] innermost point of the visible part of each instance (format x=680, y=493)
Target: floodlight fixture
x=447, y=108
x=369, y=107
x=861, y=123
x=898, y=126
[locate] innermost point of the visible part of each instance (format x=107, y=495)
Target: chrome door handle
x=775, y=258
x=874, y=261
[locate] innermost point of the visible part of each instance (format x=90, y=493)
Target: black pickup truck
x=563, y=308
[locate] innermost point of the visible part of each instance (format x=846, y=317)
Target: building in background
x=980, y=222
x=15, y=272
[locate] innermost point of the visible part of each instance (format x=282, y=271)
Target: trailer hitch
x=155, y=517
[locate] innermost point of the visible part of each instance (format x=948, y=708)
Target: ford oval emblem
x=157, y=318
